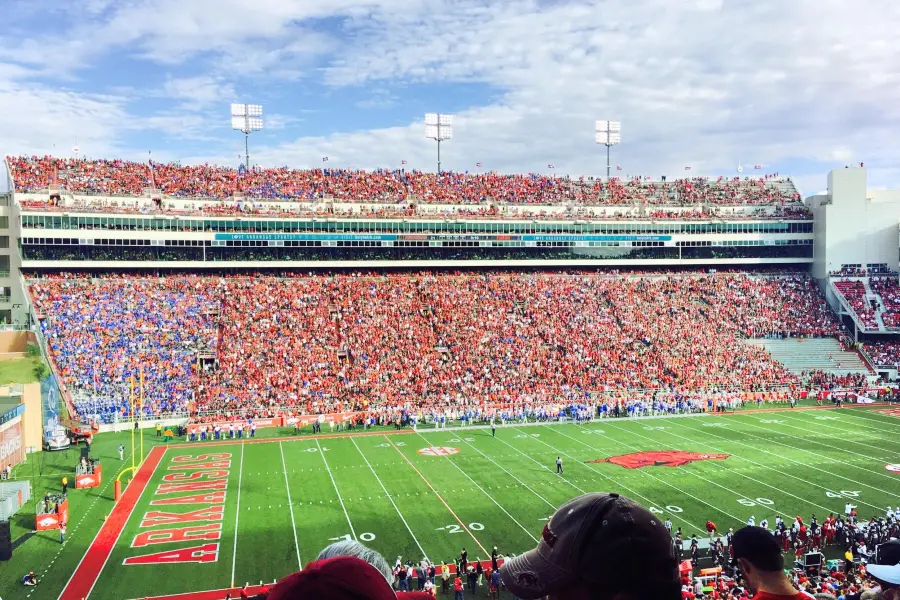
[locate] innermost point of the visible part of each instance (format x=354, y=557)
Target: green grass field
x=19, y=370
x=286, y=500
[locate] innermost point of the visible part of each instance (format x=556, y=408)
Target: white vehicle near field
x=56, y=438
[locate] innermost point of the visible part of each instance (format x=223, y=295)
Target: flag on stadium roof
x=618, y=167
x=402, y=162
x=478, y=164
x=757, y=166
x=549, y=166
x=324, y=159
x=687, y=168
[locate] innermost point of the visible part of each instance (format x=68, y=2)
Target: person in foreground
x=762, y=564
x=886, y=569
x=341, y=578
x=599, y=546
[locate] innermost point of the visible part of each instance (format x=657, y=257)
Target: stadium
x=252, y=364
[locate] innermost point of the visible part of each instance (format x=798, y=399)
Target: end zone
x=91, y=564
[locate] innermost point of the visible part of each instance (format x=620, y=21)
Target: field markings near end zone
x=851, y=432
x=882, y=419
x=287, y=486
x=837, y=460
x=237, y=516
x=664, y=482
x=804, y=465
x=732, y=471
x=439, y=497
x=483, y=491
x=846, y=415
x=522, y=483
x=634, y=492
x=334, y=483
x=111, y=528
x=807, y=481
x=390, y=497
x=834, y=437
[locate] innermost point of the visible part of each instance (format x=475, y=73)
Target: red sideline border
x=82, y=581
x=85, y=576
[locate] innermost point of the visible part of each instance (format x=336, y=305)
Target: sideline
x=300, y=438
x=91, y=564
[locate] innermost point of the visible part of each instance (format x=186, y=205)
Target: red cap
x=340, y=578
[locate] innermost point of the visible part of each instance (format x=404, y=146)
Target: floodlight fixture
x=246, y=118
x=438, y=127
x=609, y=134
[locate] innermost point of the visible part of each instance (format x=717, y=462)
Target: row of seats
x=118, y=177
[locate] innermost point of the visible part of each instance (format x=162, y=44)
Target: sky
x=799, y=86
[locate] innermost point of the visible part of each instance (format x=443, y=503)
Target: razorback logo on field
x=438, y=451
x=893, y=412
x=659, y=458
x=893, y=468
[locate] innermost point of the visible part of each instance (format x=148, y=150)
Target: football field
x=209, y=516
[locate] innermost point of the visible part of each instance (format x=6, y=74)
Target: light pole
x=246, y=118
x=438, y=127
x=609, y=134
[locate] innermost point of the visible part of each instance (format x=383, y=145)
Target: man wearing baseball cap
x=598, y=546
x=886, y=569
x=762, y=563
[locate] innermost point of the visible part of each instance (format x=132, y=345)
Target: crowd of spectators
x=889, y=291
x=854, y=292
x=322, y=343
x=883, y=352
x=126, y=178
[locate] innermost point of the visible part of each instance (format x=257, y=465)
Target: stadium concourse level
x=124, y=178
x=424, y=342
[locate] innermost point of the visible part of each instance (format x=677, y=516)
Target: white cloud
x=700, y=82
x=199, y=92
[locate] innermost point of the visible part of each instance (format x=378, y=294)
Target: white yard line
x=522, y=483
x=391, y=498
x=491, y=498
x=821, y=425
x=237, y=515
x=664, y=482
x=806, y=465
x=334, y=483
x=829, y=446
x=720, y=466
x=290, y=506
x=616, y=483
x=439, y=497
x=806, y=481
x=540, y=464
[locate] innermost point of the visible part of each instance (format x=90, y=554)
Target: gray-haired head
x=354, y=548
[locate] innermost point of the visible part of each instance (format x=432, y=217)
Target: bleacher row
x=122, y=178
x=420, y=341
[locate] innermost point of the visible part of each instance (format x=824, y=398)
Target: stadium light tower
x=440, y=128
x=609, y=134
x=246, y=118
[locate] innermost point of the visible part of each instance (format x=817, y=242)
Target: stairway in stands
x=807, y=354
